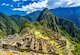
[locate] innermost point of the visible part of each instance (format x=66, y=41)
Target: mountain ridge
x=62, y=13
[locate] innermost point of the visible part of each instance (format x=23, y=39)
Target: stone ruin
x=30, y=43
x=27, y=43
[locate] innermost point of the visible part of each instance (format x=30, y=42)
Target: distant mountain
x=33, y=16
x=72, y=14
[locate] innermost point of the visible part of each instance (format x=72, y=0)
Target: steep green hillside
x=7, y=25
x=17, y=19
x=48, y=20
x=70, y=28
x=10, y=24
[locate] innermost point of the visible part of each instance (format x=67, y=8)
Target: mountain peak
x=48, y=20
x=46, y=9
x=44, y=13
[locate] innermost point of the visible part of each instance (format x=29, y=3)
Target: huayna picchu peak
x=48, y=35
x=48, y=20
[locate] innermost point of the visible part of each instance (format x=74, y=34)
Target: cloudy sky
x=23, y=7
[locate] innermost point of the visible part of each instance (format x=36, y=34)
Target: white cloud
x=24, y=0
x=63, y=3
x=11, y=5
x=50, y=4
x=33, y=7
x=15, y=0
x=34, y=0
x=19, y=0
x=4, y=4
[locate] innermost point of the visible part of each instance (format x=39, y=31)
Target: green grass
x=76, y=50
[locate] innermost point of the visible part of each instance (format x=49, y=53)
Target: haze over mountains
x=48, y=35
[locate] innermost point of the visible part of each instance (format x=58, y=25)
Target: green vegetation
x=26, y=24
x=10, y=24
x=67, y=28
x=47, y=27
x=7, y=25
